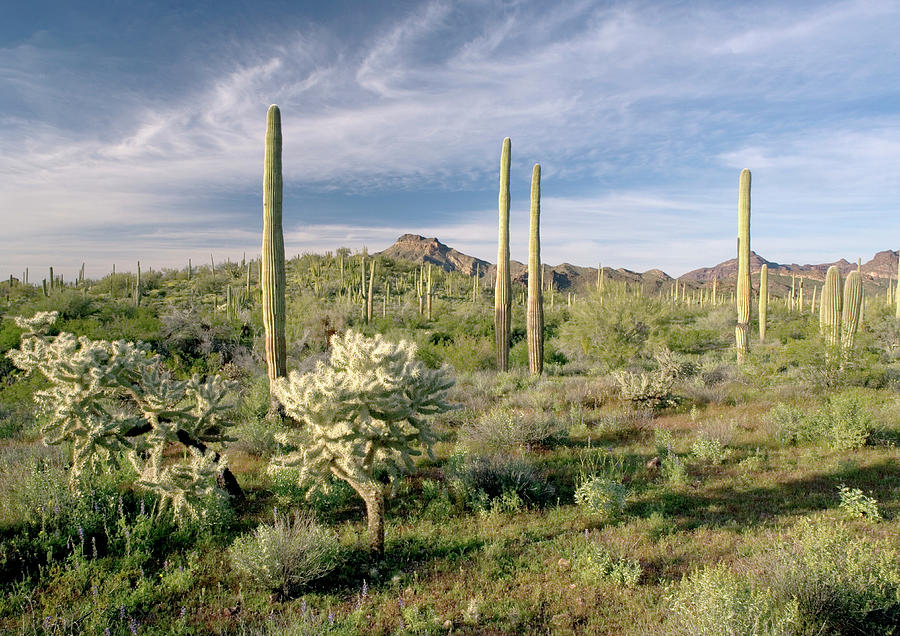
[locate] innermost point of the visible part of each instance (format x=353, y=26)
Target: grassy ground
x=711, y=478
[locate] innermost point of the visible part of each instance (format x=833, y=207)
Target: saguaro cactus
x=898, y=285
x=502, y=299
x=742, y=297
x=272, y=279
x=370, y=296
x=830, y=311
x=853, y=295
x=535, y=315
x=763, y=300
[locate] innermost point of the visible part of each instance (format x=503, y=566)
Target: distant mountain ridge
x=568, y=277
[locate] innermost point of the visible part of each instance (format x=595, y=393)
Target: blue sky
x=134, y=130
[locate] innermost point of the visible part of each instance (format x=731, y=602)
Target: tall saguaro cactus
x=502, y=299
x=272, y=279
x=742, y=297
x=535, y=315
x=898, y=285
x=763, y=300
x=853, y=295
x=830, y=310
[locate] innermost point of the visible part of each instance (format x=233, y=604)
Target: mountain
x=566, y=277
x=418, y=249
x=883, y=265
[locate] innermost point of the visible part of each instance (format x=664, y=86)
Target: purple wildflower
x=133, y=626
x=182, y=612
x=365, y=589
x=330, y=617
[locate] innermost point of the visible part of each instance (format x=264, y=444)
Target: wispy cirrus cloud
x=640, y=115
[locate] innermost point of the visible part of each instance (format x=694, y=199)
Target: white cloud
x=640, y=119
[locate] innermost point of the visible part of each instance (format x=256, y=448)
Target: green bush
x=503, y=428
x=855, y=504
x=709, y=449
x=594, y=562
x=713, y=601
x=601, y=496
x=842, y=584
x=285, y=556
x=845, y=421
x=484, y=478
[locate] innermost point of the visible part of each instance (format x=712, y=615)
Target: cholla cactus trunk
x=535, y=314
x=272, y=277
x=763, y=300
x=742, y=300
x=370, y=296
x=502, y=301
x=830, y=312
x=897, y=314
x=853, y=296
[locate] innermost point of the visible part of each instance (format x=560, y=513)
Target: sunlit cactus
x=535, y=315
x=763, y=300
x=831, y=305
x=502, y=299
x=742, y=296
x=272, y=277
x=850, y=315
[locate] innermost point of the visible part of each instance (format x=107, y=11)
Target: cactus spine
x=830, y=310
x=763, y=300
x=742, y=300
x=535, y=315
x=272, y=278
x=502, y=299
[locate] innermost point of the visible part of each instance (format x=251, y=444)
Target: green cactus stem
x=742, y=300
x=272, y=276
x=429, y=292
x=535, y=315
x=853, y=296
x=370, y=295
x=763, y=300
x=137, y=286
x=831, y=305
x=502, y=300
x=897, y=312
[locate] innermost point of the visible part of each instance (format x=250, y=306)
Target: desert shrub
x=613, y=328
x=855, y=504
x=709, y=449
x=663, y=441
x=601, y=496
x=842, y=584
x=484, y=478
x=651, y=389
x=844, y=421
x=287, y=555
x=790, y=423
x=713, y=601
x=594, y=562
x=503, y=428
x=673, y=470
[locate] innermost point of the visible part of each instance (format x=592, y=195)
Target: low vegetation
x=644, y=484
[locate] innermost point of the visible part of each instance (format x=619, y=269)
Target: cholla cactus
x=109, y=399
x=364, y=410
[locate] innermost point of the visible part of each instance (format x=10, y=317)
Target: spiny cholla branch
x=110, y=398
x=364, y=410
